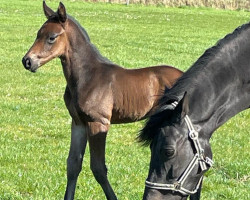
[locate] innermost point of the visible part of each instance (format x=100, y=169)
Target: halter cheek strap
x=199, y=158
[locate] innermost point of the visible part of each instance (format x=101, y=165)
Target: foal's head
x=51, y=40
x=174, y=170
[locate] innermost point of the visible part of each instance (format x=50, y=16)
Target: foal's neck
x=80, y=58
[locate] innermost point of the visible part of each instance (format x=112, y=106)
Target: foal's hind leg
x=74, y=161
x=97, y=163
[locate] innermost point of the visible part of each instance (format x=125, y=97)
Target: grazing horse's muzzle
x=153, y=194
x=29, y=64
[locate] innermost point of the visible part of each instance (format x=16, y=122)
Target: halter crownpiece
x=199, y=158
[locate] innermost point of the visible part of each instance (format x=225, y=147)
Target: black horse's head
x=180, y=153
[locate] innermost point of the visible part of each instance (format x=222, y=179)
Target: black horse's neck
x=224, y=95
x=218, y=84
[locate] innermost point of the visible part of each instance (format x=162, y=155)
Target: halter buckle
x=177, y=185
x=193, y=134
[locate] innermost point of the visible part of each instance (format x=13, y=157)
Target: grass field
x=222, y=4
x=35, y=125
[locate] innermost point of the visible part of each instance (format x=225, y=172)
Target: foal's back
x=136, y=91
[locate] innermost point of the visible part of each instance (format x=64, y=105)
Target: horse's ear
x=61, y=11
x=182, y=109
x=47, y=11
x=185, y=105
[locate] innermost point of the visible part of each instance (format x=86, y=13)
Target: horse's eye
x=52, y=39
x=168, y=152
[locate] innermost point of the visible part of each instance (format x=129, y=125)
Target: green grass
x=222, y=4
x=35, y=125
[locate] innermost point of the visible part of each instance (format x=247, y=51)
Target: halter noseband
x=199, y=158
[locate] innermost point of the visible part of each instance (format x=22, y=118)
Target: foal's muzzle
x=29, y=64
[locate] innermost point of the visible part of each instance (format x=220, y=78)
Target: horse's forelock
x=153, y=124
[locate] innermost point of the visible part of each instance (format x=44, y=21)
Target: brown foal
x=98, y=92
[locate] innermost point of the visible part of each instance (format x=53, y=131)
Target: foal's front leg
x=97, y=163
x=74, y=161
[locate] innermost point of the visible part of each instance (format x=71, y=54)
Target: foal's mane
x=84, y=32
x=184, y=83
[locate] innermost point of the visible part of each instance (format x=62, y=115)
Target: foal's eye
x=52, y=39
x=168, y=152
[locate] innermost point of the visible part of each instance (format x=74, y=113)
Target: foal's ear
x=61, y=11
x=47, y=11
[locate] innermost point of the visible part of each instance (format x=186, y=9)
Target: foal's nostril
x=26, y=62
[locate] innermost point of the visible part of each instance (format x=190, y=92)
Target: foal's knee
x=100, y=173
x=74, y=166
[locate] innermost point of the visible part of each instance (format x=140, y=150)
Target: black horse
x=213, y=90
